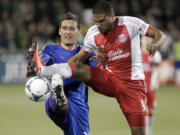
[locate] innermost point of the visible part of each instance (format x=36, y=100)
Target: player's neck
x=112, y=27
x=68, y=46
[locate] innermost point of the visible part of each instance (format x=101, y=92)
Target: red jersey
x=149, y=68
x=121, y=47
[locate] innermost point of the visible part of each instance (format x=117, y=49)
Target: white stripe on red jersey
x=121, y=46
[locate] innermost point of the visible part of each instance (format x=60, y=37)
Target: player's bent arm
x=158, y=39
x=78, y=59
x=157, y=35
x=78, y=69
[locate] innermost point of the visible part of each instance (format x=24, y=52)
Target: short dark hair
x=70, y=16
x=103, y=6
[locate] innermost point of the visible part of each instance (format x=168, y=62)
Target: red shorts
x=130, y=94
x=151, y=99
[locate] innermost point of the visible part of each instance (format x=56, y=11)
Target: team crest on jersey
x=61, y=57
x=122, y=38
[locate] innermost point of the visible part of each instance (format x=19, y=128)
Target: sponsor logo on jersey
x=118, y=54
x=122, y=38
x=114, y=53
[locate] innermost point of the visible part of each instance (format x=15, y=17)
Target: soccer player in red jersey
x=151, y=71
x=118, y=38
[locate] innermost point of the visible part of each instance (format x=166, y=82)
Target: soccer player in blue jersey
x=67, y=106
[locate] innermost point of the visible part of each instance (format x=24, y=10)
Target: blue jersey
x=77, y=120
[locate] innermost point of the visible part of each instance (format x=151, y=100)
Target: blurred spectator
x=58, y=10
x=24, y=20
x=3, y=37
x=154, y=14
x=120, y=7
x=166, y=48
x=10, y=35
x=76, y=7
x=176, y=50
x=135, y=7
x=22, y=37
x=87, y=16
x=170, y=9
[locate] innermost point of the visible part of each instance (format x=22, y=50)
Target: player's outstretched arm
x=73, y=68
x=158, y=39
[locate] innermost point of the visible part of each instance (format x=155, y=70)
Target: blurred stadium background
x=23, y=21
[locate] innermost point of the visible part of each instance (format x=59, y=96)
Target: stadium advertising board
x=12, y=68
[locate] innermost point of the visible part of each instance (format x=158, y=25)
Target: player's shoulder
x=128, y=19
x=91, y=33
x=93, y=30
x=50, y=46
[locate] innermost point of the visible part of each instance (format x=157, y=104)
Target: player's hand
x=152, y=48
x=100, y=56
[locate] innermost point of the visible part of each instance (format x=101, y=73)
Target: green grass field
x=20, y=116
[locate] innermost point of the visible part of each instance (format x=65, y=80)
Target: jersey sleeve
x=89, y=42
x=45, y=57
x=142, y=27
x=138, y=26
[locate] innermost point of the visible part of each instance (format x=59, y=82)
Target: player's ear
x=79, y=32
x=113, y=18
x=59, y=31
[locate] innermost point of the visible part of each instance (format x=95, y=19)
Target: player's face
x=105, y=23
x=69, y=32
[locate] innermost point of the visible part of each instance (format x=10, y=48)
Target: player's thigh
x=101, y=82
x=132, y=96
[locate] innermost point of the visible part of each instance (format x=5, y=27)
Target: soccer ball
x=37, y=88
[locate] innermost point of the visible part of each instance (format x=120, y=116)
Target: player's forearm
x=157, y=35
x=78, y=59
x=74, y=59
x=159, y=39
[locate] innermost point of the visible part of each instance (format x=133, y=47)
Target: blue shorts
x=73, y=121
